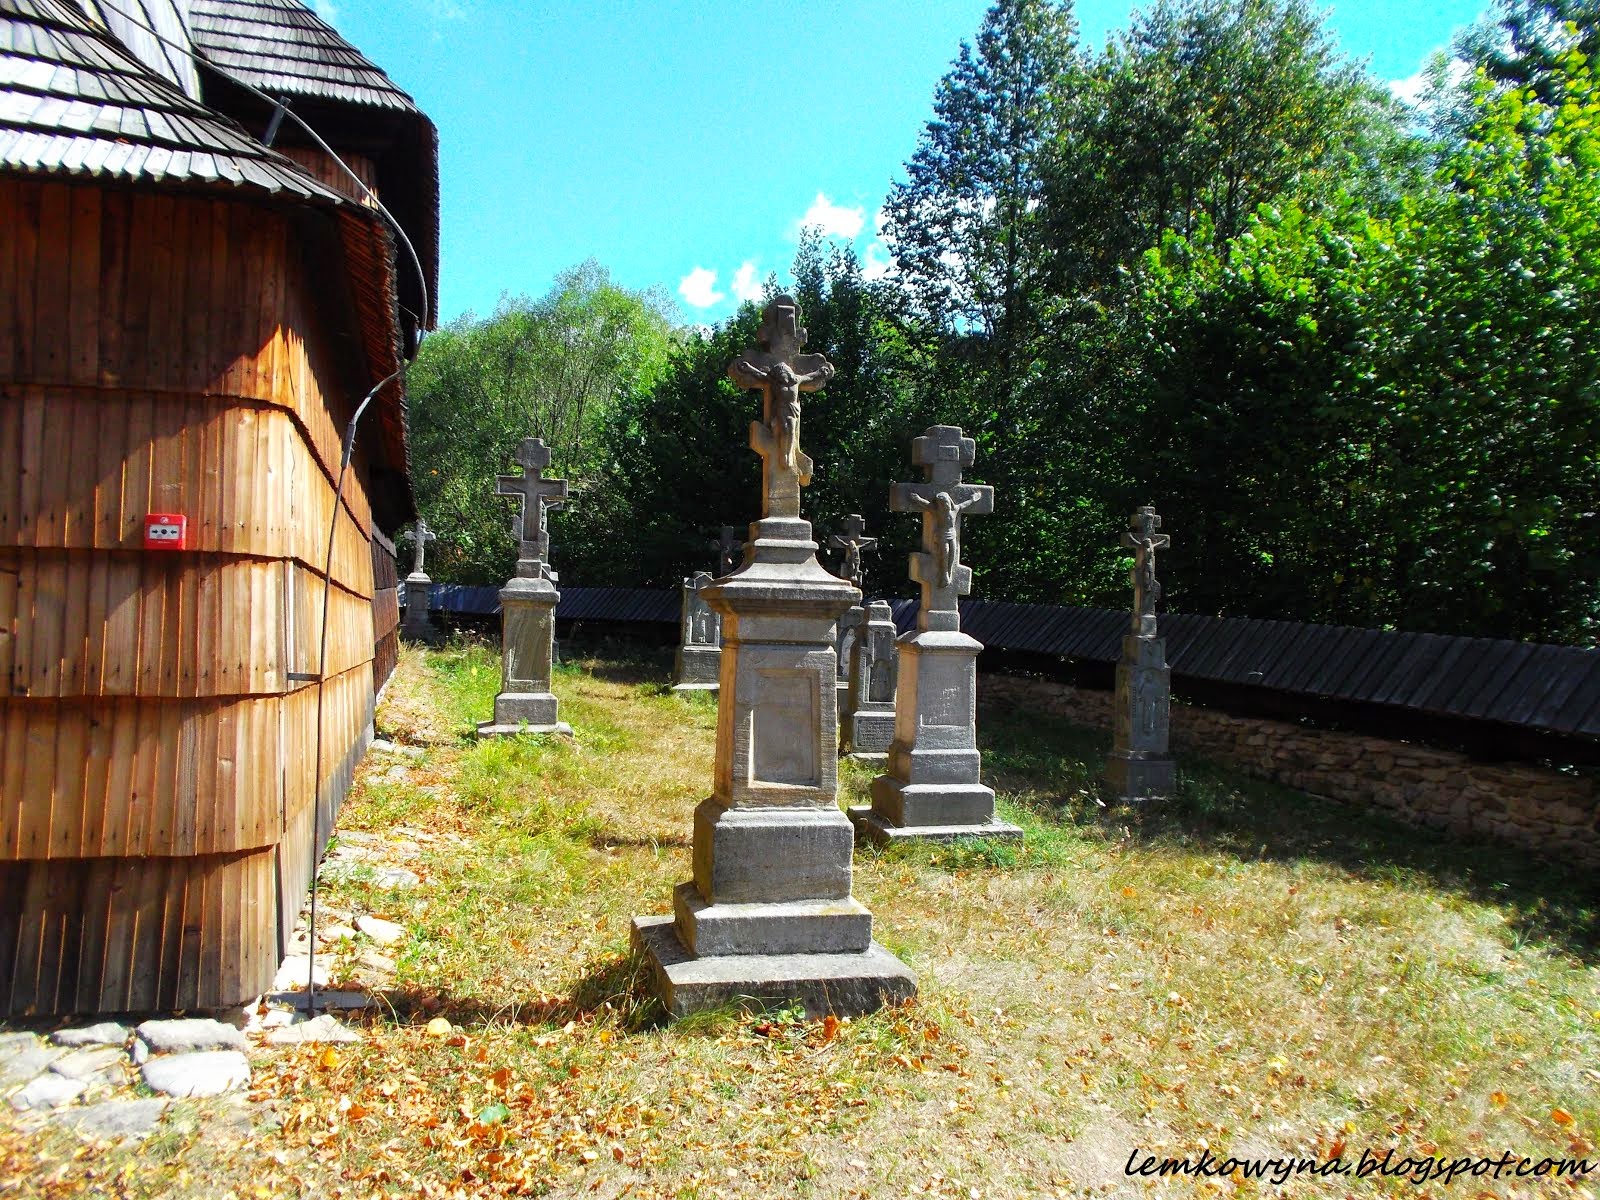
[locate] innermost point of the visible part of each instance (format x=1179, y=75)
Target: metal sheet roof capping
x=153, y=32
x=75, y=102
x=281, y=46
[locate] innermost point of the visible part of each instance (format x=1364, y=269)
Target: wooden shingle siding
x=156, y=771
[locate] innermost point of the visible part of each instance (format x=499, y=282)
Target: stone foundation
x=1551, y=813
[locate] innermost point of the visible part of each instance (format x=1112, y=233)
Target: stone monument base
x=846, y=985
x=699, y=669
x=875, y=829
x=1137, y=777
x=869, y=734
x=524, y=712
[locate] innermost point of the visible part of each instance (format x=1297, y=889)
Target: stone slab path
x=108, y=1081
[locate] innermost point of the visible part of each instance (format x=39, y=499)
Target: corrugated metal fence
x=1549, y=688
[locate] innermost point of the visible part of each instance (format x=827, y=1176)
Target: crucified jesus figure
x=783, y=387
x=946, y=528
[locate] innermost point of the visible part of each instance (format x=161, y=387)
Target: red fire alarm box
x=166, y=531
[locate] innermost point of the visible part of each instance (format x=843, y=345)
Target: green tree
x=677, y=463
x=963, y=224
x=1202, y=111
x=1393, y=420
x=552, y=368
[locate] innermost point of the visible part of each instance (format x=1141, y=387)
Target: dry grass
x=1250, y=969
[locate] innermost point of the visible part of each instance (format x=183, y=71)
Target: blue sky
x=683, y=144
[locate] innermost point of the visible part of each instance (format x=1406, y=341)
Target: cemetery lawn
x=1248, y=969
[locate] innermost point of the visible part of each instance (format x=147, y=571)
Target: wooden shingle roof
x=282, y=47
x=73, y=101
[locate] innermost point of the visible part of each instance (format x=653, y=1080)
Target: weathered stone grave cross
x=852, y=543
x=941, y=498
x=1144, y=541
x=781, y=372
x=421, y=535
x=532, y=489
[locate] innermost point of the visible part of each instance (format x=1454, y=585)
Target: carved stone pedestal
x=699, y=661
x=932, y=790
x=527, y=623
x=418, y=626
x=868, y=726
x=769, y=915
x=1139, y=766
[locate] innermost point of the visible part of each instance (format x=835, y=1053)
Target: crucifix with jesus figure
x=536, y=495
x=776, y=368
x=941, y=498
x=1143, y=539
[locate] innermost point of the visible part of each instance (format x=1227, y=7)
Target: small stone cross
x=1144, y=541
x=533, y=456
x=852, y=543
x=421, y=535
x=941, y=498
x=729, y=546
x=776, y=367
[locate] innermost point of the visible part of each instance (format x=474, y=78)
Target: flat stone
x=112, y=1119
x=324, y=1028
x=491, y=729
x=23, y=1055
x=106, y=1033
x=384, y=746
x=182, y=1034
x=49, y=1091
x=381, y=931
x=842, y=984
x=344, y=999
x=295, y=971
x=204, y=1073
x=337, y=871
x=874, y=828
x=105, y=1063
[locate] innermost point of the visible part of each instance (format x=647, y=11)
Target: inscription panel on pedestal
x=527, y=648
x=783, y=739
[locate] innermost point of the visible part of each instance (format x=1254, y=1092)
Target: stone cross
x=533, y=456
x=780, y=372
x=421, y=535
x=941, y=499
x=729, y=547
x=1144, y=541
x=852, y=543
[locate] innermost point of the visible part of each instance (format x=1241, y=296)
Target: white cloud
x=699, y=288
x=1410, y=89
x=327, y=10
x=877, y=264
x=745, y=285
x=832, y=220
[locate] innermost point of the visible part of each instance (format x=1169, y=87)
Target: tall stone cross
x=535, y=493
x=421, y=535
x=852, y=543
x=1144, y=541
x=941, y=498
x=729, y=545
x=776, y=367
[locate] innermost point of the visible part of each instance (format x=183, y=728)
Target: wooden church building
x=188, y=319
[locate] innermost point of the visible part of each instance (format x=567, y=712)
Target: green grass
x=1244, y=967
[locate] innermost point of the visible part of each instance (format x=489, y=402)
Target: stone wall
x=1552, y=813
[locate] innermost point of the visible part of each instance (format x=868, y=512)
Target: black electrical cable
x=348, y=450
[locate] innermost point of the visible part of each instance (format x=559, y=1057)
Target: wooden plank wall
x=160, y=353
x=385, y=609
